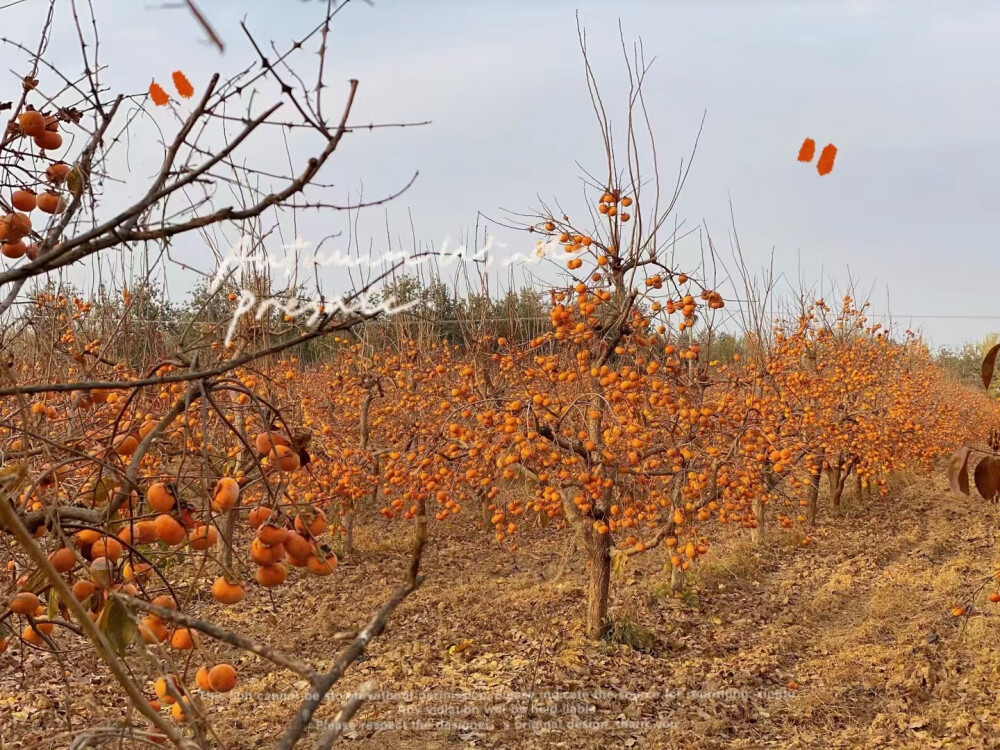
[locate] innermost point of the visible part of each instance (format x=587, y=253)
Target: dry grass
x=860, y=620
x=733, y=561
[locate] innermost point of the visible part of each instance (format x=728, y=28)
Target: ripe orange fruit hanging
x=126, y=445
x=264, y=554
x=271, y=534
x=152, y=630
x=227, y=492
x=285, y=458
x=160, y=497
x=163, y=686
x=258, y=516
x=311, y=523
x=23, y=200
x=57, y=172
x=322, y=564
x=263, y=442
x=165, y=601
x=183, y=639
x=227, y=592
x=201, y=679
x=140, y=571
x=82, y=589
x=107, y=547
x=32, y=636
x=63, y=560
x=182, y=710
x=147, y=427
x=32, y=123
x=86, y=537
x=16, y=226
x=203, y=537
x=14, y=250
x=139, y=532
x=49, y=140
x=271, y=575
x=168, y=530
x=50, y=203
x=297, y=546
x=24, y=603
x=222, y=678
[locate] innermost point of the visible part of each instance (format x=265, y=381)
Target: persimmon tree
x=136, y=478
x=603, y=414
x=859, y=401
x=618, y=423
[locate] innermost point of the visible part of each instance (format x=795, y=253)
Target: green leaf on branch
x=116, y=623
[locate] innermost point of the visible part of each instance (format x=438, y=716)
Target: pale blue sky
x=907, y=90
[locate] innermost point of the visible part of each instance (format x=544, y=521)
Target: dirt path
x=859, y=620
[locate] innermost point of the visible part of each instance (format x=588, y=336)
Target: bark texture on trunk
x=833, y=475
x=757, y=530
x=676, y=579
x=349, y=533
x=838, y=479
x=599, y=549
x=813, y=497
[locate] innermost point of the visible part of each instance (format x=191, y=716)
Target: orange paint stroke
x=158, y=95
x=825, y=164
x=183, y=85
x=807, y=150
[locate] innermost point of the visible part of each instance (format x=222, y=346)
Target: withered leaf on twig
x=300, y=440
x=69, y=114
x=989, y=361
x=958, y=471
x=987, y=477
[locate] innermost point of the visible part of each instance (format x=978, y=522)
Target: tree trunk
x=599, y=547
x=813, y=497
x=676, y=579
x=841, y=474
x=349, y=533
x=757, y=530
x=833, y=474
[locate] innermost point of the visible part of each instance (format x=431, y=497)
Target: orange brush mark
x=825, y=164
x=158, y=95
x=183, y=85
x=807, y=150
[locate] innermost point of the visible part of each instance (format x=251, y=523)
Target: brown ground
x=860, y=621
